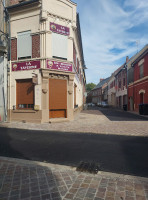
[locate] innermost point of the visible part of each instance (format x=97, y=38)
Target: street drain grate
x=90, y=167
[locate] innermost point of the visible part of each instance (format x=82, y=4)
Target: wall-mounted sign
x=59, y=65
x=30, y=65
x=59, y=29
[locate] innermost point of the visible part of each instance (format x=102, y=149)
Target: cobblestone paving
x=89, y=121
x=25, y=180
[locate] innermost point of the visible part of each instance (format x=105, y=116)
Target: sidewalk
x=89, y=121
x=30, y=180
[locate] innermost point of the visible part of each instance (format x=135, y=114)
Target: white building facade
x=46, y=77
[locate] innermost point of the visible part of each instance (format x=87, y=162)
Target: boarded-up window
x=24, y=94
x=24, y=45
x=59, y=46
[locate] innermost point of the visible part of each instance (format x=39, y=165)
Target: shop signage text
x=59, y=65
x=30, y=65
x=59, y=29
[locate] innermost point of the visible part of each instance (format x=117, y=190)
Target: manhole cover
x=90, y=167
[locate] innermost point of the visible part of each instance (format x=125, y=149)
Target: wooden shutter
x=57, y=98
x=24, y=93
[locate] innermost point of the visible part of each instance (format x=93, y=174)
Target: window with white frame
x=59, y=46
x=24, y=45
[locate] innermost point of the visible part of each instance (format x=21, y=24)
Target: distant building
x=98, y=93
x=138, y=80
x=121, y=85
x=112, y=91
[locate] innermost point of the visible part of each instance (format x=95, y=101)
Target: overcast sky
x=110, y=32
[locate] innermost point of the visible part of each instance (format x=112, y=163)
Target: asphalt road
x=118, y=154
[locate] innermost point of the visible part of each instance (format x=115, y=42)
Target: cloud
x=110, y=30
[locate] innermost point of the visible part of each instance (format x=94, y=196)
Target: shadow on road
x=115, y=115
x=135, y=153
x=118, y=154
x=6, y=148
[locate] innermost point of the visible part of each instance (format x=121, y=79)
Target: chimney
x=127, y=59
x=101, y=79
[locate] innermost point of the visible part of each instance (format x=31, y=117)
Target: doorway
x=141, y=98
x=57, y=98
x=131, y=104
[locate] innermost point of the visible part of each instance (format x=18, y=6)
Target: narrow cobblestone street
x=25, y=180
x=94, y=120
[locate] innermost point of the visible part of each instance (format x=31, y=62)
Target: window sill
x=23, y=111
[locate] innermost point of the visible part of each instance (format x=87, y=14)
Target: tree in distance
x=90, y=86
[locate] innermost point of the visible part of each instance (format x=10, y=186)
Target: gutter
x=21, y=4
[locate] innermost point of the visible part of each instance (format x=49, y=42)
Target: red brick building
x=138, y=80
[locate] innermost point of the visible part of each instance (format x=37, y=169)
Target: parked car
x=90, y=104
x=104, y=104
x=99, y=104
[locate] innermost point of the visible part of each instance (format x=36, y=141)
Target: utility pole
x=4, y=49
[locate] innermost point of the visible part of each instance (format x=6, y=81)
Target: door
x=141, y=98
x=57, y=98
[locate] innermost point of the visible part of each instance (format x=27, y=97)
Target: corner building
x=47, y=77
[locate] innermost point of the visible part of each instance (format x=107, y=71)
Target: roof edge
x=21, y=4
x=137, y=55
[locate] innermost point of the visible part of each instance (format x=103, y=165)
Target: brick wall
x=133, y=91
x=137, y=69
x=35, y=46
x=14, y=49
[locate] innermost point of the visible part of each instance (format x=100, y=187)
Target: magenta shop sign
x=59, y=29
x=30, y=65
x=59, y=66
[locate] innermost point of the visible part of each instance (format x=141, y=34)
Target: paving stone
x=54, y=184
x=46, y=197
x=91, y=190
x=96, y=198
x=129, y=198
x=100, y=194
x=90, y=195
x=138, y=197
x=69, y=196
